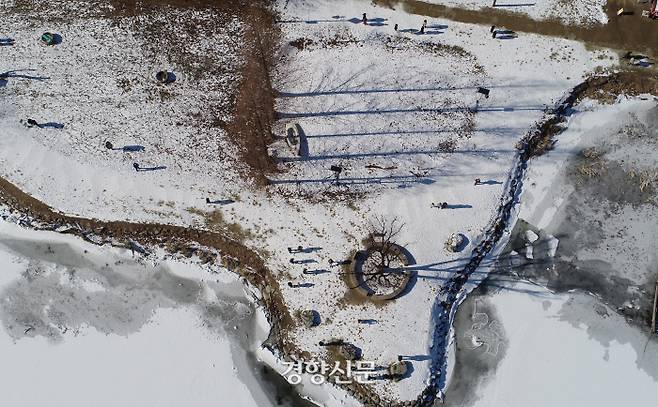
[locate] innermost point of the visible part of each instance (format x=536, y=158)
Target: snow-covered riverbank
x=588, y=331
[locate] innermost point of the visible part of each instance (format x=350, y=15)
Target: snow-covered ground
x=83, y=324
x=99, y=85
x=364, y=95
x=576, y=12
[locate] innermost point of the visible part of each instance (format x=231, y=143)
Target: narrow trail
x=624, y=33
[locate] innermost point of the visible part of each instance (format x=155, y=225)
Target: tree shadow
x=295, y=115
x=488, y=153
x=394, y=90
x=413, y=275
x=510, y=130
x=356, y=180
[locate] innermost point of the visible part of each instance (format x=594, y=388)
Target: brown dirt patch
x=628, y=32
x=254, y=116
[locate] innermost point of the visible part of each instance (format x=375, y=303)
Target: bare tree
x=383, y=265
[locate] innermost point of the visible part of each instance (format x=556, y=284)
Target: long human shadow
x=341, y=20
x=375, y=22
x=15, y=74
x=132, y=148
x=515, y=5
x=356, y=180
x=52, y=125
x=158, y=168
x=393, y=90
x=510, y=130
x=287, y=115
x=490, y=152
x=459, y=206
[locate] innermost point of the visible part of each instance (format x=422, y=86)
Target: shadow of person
x=158, y=168
x=219, y=201
x=52, y=125
x=132, y=148
x=16, y=74
x=459, y=206
x=491, y=182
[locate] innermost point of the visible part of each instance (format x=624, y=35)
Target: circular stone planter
x=380, y=284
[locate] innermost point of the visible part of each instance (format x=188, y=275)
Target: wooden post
x=655, y=305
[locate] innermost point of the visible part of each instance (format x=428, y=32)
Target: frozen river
x=86, y=325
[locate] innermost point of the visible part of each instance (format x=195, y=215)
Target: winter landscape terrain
x=458, y=206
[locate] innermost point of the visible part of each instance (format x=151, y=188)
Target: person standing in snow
x=365, y=19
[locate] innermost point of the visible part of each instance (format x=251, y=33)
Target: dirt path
x=623, y=33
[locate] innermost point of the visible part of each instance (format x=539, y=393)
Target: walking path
x=625, y=33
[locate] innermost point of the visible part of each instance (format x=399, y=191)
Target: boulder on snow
x=310, y=318
x=399, y=369
x=349, y=351
x=456, y=242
